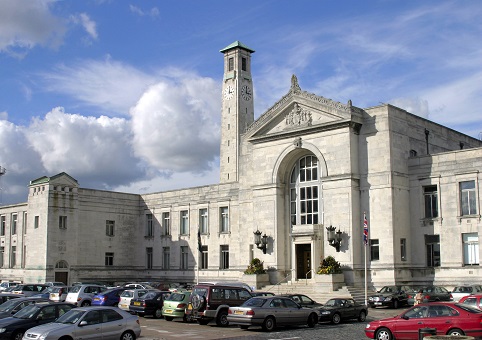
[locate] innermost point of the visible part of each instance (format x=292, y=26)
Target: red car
x=472, y=300
x=447, y=318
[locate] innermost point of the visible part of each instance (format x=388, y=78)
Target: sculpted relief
x=298, y=117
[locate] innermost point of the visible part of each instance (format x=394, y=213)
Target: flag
x=365, y=229
x=199, y=243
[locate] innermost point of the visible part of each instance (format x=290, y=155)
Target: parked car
x=109, y=297
x=270, y=312
x=391, y=296
x=303, y=300
x=7, y=284
x=211, y=302
x=338, y=309
x=128, y=294
x=82, y=295
x=29, y=289
x=54, y=283
x=10, y=307
x=472, y=300
x=175, y=306
x=150, y=303
x=59, y=294
x=13, y=328
x=430, y=294
x=8, y=290
x=460, y=291
x=8, y=296
x=45, y=294
x=260, y=293
x=138, y=285
x=447, y=318
x=89, y=323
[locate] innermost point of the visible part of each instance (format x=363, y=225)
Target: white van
x=82, y=295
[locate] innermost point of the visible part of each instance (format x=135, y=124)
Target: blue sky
x=126, y=95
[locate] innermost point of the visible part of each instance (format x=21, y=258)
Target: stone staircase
x=308, y=288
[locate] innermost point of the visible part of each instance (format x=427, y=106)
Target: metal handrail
x=277, y=283
x=306, y=276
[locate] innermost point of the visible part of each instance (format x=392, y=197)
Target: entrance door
x=61, y=277
x=303, y=261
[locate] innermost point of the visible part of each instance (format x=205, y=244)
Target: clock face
x=246, y=93
x=228, y=92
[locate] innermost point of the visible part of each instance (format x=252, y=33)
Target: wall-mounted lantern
x=260, y=241
x=334, y=237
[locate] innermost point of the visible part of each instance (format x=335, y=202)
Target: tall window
x=432, y=246
x=431, y=201
x=14, y=224
x=224, y=264
x=403, y=249
x=224, y=216
x=184, y=257
x=204, y=257
x=304, y=192
x=109, y=227
x=24, y=223
x=243, y=64
x=166, y=223
x=109, y=259
x=184, y=228
x=230, y=64
x=2, y=256
x=3, y=221
x=62, y=222
x=467, y=198
x=36, y=222
x=149, y=258
x=149, y=226
x=203, y=221
x=471, y=248
x=374, y=250
x=166, y=257
x=13, y=257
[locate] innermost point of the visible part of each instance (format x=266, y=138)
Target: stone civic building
x=306, y=164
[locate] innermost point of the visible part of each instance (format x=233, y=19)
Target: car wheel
x=383, y=334
x=269, y=324
x=197, y=301
x=395, y=304
x=312, y=320
x=17, y=335
x=157, y=313
x=362, y=316
x=335, y=319
x=243, y=326
x=455, y=331
x=128, y=336
x=85, y=303
x=168, y=318
x=222, y=318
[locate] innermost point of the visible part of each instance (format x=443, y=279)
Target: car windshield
x=200, y=291
x=331, y=303
x=468, y=308
x=9, y=305
x=27, y=312
x=148, y=295
x=48, y=290
x=75, y=289
x=254, y=302
x=127, y=293
x=71, y=317
x=388, y=289
x=176, y=297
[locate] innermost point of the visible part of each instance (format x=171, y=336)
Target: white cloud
x=89, y=25
x=153, y=12
x=3, y=115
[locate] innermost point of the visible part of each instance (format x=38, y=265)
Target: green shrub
x=255, y=267
x=329, y=266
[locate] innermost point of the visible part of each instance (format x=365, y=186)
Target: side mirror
x=83, y=323
x=405, y=317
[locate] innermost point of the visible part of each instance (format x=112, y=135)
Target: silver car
x=270, y=312
x=108, y=323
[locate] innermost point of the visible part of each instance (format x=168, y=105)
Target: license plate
x=53, y=296
x=96, y=299
x=137, y=303
x=168, y=311
x=123, y=306
x=238, y=312
x=378, y=303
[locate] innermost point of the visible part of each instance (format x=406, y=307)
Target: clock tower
x=238, y=108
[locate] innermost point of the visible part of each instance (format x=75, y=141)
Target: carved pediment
x=59, y=179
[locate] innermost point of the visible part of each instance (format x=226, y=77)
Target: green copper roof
x=236, y=44
x=45, y=179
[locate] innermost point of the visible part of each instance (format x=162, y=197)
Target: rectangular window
x=203, y=221
x=374, y=250
x=166, y=223
x=224, y=264
x=403, y=249
x=230, y=64
x=432, y=246
x=431, y=201
x=184, y=257
x=109, y=259
x=166, y=257
x=204, y=257
x=467, y=198
x=184, y=217
x=3, y=221
x=24, y=257
x=470, y=243
x=149, y=226
x=2, y=256
x=149, y=258
x=36, y=222
x=13, y=257
x=293, y=198
x=14, y=224
x=243, y=64
x=62, y=222
x=24, y=223
x=224, y=215
x=109, y=228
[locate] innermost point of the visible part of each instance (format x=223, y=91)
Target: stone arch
x=62, y=264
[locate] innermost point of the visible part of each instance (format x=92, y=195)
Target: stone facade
x=305, y=164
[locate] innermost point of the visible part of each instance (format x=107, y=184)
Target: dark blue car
x=109, y=297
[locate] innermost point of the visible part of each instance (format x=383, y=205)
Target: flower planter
x=256, y=280
x=326, y=283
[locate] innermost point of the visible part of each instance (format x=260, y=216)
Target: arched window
x=61, y=265
x=305, y=193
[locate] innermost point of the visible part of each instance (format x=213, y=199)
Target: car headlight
x=388, y=298
x=370, y=299
x=2, y=330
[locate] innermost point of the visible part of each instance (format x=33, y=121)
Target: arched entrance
x=62, y=272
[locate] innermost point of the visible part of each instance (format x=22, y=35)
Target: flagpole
x=365, y=241
x=366, y=287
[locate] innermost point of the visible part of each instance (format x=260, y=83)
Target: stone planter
x=326, y=283
x=256, y=280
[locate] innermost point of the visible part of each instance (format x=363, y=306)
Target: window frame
x=166, y=223
x=224, y=220
x=109, y=259
x=468, y=206
x=110, y=228
x=432, y=246
x=204, y=221
x=184, y=265
x=430, y=200
x=470, y=249
x=3, y=224
x=13, y=223
x=374, y=249
x=204, y=257
x=184, y=222
x=166, y=258
x=224, y=257
x=62, y=221
x=149, y=258
x=149, y=225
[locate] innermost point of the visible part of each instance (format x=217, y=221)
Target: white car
x=59, y=294
x=82, y=295
x=129, y=294
x=108, y=323
x=460, y=291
